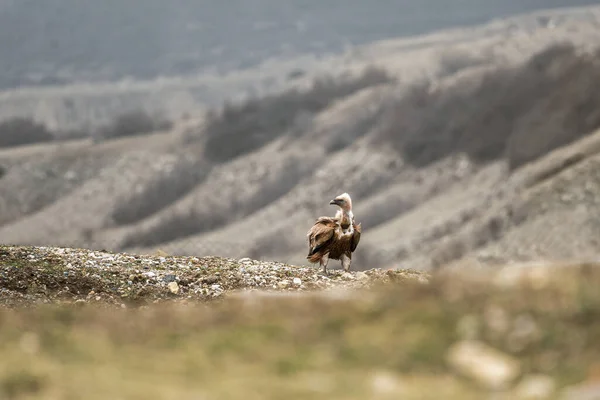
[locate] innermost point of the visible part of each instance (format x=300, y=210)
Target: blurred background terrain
x=462, y=136
x=204, y=139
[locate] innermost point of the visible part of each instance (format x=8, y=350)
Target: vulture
x=334, y=237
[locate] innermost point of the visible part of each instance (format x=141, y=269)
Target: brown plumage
x=334, y=237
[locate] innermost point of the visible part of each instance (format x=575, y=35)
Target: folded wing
x=321, y=234
x=355, y=237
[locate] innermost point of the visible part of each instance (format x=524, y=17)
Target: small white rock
x=297, y=282
x=173, y=287
x=583, y=391
x=484, y=364
x=361, y=276
x=283, y=284
x=385, y=383
x=535, y=387
x=347, y=276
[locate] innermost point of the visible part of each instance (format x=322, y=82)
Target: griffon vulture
x=336, y=237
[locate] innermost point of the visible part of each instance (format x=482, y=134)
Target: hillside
x=480, y=151
x=93, y=98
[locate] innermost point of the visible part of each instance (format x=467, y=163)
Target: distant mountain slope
x=61, y=41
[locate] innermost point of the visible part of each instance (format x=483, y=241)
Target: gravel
x=32, y=275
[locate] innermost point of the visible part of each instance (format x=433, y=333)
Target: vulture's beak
x=334, y=202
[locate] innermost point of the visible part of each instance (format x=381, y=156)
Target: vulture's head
x=343, y=201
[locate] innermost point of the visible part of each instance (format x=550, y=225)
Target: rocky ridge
x=33, y=275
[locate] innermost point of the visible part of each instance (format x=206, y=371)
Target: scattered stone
x=535, y=387
x=209, y=280
x=361, y=276
x=583, y=391
x=173, y=287
x=347, y=276
x=484, y=364
x=284, y=284
x=385, y=383
x=170, y=278
x=297, y=282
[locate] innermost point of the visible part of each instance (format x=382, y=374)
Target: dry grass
x=387, y=342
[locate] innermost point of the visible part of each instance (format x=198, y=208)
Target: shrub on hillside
x=519, y=113
x=169, y=185
x=567, y=110
x=72, y=134
x=20, y=131
x=132, y=123
x=240, y=129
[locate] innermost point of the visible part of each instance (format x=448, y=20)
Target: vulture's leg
x=346, y=261
x=324, y=260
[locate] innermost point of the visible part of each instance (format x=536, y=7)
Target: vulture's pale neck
x=345, y=215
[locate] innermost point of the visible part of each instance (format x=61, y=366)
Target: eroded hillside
x=443, y=166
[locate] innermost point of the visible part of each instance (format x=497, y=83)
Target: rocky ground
x=43, y=275
x=185, y=327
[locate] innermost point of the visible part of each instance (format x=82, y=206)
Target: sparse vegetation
x=520, y=113
x=20, y=131
x=170, y=185
x=132, y=123
x=206, y=216
x=240, y=129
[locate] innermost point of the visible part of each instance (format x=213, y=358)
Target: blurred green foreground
x=529, y=332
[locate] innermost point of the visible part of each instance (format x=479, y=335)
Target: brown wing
x=355, y=236
x=321, y=233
